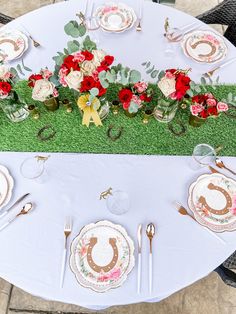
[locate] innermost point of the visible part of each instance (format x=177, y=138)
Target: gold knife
x=139, y=236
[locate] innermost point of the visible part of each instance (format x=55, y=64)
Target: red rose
x=33, y=78
x=102, y=68
x=125, y=95
x=182, y=85
x=108, y=60
x=126, y=105
x=145, y=98
x=70, y=64
x=102, y=90
x=204, y=114
x=212, y=111
x=172, y=71
x=5, y=88
x=88, y=55
x=87, y=84
x=199, y=99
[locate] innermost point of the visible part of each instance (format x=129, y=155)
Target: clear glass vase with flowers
x=174, y=85
x=82, y=72
x=10, y=102
x=204, y=106
x=44, y=90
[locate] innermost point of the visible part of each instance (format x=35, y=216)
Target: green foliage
x=73, y=46
x=75, y=30
x=88, y=44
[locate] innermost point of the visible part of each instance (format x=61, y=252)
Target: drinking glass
x=203, y=155
x=34, y=168
x=118, y=203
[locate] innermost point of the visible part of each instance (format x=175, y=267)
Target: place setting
x=103, y=254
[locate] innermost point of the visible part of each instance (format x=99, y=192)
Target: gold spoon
x=150, y=232
x=220, y=164
x=25, y=209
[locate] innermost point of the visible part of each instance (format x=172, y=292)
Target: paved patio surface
x=208, y=296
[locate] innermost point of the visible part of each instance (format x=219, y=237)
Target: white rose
x=43, y=89
x=167, y=86
x=4, y=72
x=88, y=67
x=73, y=79
x=99, y=55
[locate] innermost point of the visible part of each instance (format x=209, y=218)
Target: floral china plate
x=204, y=46
x=6, y=186
x=212, y=199
x=13, y=44
x=115, y=17
x=102, y=256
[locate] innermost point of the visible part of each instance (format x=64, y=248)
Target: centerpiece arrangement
x=91, y=76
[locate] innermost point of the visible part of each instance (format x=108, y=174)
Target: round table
x=32, y=247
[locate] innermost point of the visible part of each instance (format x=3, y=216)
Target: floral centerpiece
x=43, y=89
x=204, y=106
x=174, y=85
x=133, y=98
x=9, y=100
x=80, y=71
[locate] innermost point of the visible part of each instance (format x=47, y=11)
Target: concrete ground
x=208, y=296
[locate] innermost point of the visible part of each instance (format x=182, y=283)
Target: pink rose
x=115, y=274
x=169, y=75
x=55, y=93
x=141, y=87
x=209, y=95
x=136, y=100
x=196, y=109
x=221, y=107
x=62, y=75
x=211, y=102
x=78, y=57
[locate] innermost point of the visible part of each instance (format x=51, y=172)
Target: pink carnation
x=196, y=109
x=141, y=87
x=46, y=74
x=221, y=107
x=78, y=57
x=55, y=92
x=136, y=100
x=211, y=102
x=169, y=75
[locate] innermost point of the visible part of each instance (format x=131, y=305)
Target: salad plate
x=115, y=17
x=102, y=256
x=212, y=199
x=204, y=46
x=13, y=44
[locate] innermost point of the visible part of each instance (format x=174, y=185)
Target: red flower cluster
x=89, y=64
x=33, y=78
x=132, y=99
x=182, y=84
x=206, y=105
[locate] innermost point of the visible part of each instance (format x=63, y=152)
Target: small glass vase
x=115, y=105
x=196, y=122
x=13, y=108
x=165, y=110
x=147, y=116
x=52, y=104
x=130, y=115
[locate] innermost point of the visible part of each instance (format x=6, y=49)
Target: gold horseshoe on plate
x=213, y=48
x=223, y=211
x=10, y=41
x=93, y=265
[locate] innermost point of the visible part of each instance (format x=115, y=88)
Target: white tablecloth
x=31, y=248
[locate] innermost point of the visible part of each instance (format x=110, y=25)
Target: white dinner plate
x=204, y=46
x=102, y=255
x=6, y=186
x=115, y=17
x=212, y=199
x=13, y=44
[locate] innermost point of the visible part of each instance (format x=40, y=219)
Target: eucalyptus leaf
x=25, y=67
x=19, y=69
x=144, y=63
x=59, y=59
x=198, y=89
x=154, y=74
x=91, y=97
x=94, y=91
x=230, y=97
x=148, y=64
x=72, y=29
x=190, y=93
x=210, y=80
x=15, y=73
x=88, y=44
x=135, y=76
x=110, y=77
x=66, y=52
x=150, y=70
x=73, y=46
x=161, y=74
x=217, y=79
x=82, y=30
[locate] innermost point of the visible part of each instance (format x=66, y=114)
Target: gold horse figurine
x=104, y=194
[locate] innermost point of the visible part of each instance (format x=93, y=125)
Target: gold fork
x=35, y=43
x=67, y=232
x=139, y=27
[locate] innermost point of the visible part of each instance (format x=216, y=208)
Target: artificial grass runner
x=137, y=138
